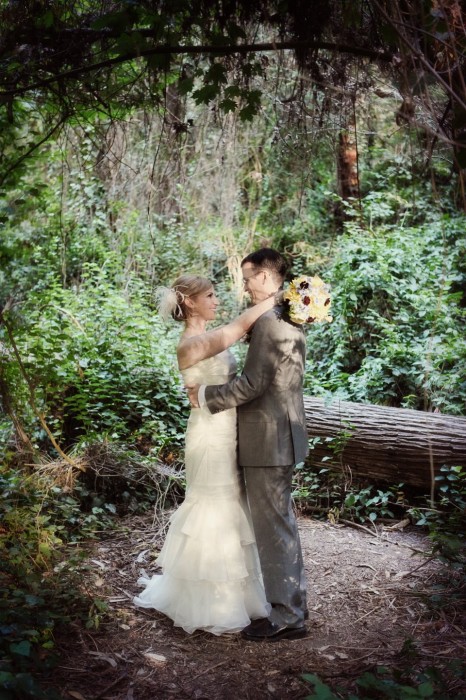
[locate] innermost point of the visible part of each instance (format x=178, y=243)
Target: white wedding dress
x=210, y=577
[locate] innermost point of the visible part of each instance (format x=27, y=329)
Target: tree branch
x=165, y=50
x=419, y=56
x=34, y=147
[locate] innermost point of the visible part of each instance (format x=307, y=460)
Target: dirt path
x=368, y=595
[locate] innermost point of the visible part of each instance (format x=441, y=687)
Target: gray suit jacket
x=269, y=395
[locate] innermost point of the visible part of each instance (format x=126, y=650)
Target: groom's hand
x=192, y=391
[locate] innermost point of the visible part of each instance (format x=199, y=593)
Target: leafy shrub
x=446, y=523
x=331, y=494
x=398, y=335
x=395, y=684
x=369, y=503
x=40, y=513
x=100, y=362
x=32, y=598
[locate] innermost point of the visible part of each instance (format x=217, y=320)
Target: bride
x=211, y=579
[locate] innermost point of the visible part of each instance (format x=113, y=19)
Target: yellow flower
x=317, y=282
x=292, y=295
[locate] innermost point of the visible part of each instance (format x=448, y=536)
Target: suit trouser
x=269, y=496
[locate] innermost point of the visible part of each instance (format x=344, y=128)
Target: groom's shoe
x=260, y=620
x=256, y=623
x=264, y=630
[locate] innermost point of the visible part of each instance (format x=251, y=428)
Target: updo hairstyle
x=172, y=300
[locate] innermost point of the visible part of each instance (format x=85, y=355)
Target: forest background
x=124, y=165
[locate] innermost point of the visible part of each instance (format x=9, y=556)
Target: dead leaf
x=75, y=694
x=401, y=574
x=397, y=526
x=105, y=657
x=142, y=555
x=99, y=563
x=155, y=659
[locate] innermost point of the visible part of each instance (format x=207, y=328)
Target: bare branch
x=419, y=56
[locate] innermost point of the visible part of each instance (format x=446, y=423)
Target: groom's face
x=254, y=281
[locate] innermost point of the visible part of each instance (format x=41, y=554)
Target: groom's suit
x=272, y=438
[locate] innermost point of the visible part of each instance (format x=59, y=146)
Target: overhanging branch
x=214, y=49
x=33, y=148
x=417, y=55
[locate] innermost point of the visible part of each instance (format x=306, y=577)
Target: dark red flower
x=310, y=319
x=306, y=301
x=304, y=285
x=327, y=302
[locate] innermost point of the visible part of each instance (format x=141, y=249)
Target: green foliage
x=41, y=244
x=395, y=684
x=321, y=690
x=315, y=489
x=42, y=581
x=398, y=332
x=34, y=597
x=295, y=201
x=370, y=503
x=446, y=523
x=85, y=240
x=100, y=362
x=58, y=218
x=331, y=494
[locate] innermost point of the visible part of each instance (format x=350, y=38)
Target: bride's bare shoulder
x=188, y=349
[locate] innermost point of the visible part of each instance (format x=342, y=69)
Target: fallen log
x=392, y=445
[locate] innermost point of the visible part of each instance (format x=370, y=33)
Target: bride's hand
x=192, y=390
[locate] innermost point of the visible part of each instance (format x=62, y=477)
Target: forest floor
x=370, y=596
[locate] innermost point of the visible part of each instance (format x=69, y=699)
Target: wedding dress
x=211, y=577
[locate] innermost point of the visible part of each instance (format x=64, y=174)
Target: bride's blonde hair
x=172, y=300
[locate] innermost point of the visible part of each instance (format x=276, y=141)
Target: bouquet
x=308, y=300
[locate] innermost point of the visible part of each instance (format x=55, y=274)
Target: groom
x=272, y=439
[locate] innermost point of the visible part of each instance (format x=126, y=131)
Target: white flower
x=308, y=300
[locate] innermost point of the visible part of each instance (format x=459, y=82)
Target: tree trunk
x=394, y=445
x=348, y=174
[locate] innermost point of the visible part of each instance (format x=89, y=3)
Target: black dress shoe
x=255, y=623
x=267, y=631
x=258, y=620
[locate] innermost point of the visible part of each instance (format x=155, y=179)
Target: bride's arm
x=195, y=348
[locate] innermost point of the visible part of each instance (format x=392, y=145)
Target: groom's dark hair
x=269, y=259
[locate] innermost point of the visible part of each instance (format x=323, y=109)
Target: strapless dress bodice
x=213, y=370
